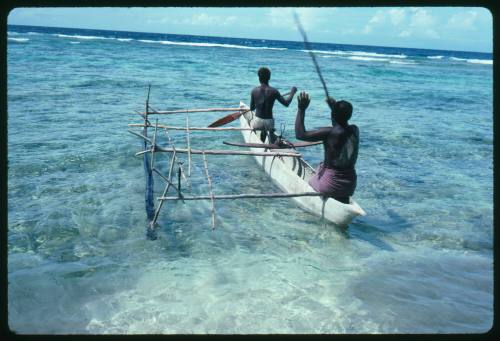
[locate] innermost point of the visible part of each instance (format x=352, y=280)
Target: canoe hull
x=291, y=174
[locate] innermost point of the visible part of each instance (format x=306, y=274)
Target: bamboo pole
x=191, y=128
x=211, y=190
x=180, y=111
x=245, y=196
x=154, y=110
x=222, y=152
x=140, y=135
x=167, y=187
x=188, y=144
x=176, y=159
x=150, y=229
x=168, y=182
x=153, y=145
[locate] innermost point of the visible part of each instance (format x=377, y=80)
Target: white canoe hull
x=291, y=174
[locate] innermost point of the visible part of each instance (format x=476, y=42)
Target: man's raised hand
x=303, y=100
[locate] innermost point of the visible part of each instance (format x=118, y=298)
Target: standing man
x=262, y=102
x=335, y=176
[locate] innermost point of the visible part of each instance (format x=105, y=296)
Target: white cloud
x=421, y=24
x=404, y=34
x=463, y=20
x=198, y=19
x=394, y=17
x=421, y=18
x=397, y=16
x=310, y=18
x=377, y=19
x=203, y=19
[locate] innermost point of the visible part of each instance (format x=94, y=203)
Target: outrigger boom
x=259, y=154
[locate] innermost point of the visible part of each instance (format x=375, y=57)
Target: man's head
x=264, y=75
x=342, y=112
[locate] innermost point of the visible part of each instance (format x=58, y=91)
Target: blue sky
x=447, y=28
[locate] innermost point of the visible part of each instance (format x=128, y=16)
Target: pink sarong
x=334, y=182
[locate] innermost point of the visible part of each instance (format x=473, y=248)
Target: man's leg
x=263, y=134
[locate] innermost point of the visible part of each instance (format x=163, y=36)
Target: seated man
x=262, y=102
x=335, y=176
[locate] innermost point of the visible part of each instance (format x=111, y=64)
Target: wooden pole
x=167, y=187
x=181, y=111
x=211, y=191
x=168, y=182
x=222, y=152
x=191, y=128
x=153, y=145
x=150, y=209
x=176, y=159
x=141, y=136
x=245, y=196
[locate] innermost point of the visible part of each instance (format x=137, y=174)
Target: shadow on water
x=370, y=229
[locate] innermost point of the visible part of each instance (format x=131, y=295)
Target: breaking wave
x=473, y=61
x=81, y=37
x=168, y=42
x=358, y=54
x=18, y=40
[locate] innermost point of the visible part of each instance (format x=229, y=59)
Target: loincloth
x=262, y=123
x=334, y=182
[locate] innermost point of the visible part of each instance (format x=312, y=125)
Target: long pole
x=245, y=196
x=221, y=152
x=309, y=49
x=191, y=128
x=180, y=111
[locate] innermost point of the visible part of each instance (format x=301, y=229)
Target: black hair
x=264, y=74
x=343, y=111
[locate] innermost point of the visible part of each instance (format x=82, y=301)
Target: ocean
x=420, y=261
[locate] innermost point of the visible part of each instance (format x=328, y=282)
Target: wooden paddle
x=227, y=119
x=231, y=117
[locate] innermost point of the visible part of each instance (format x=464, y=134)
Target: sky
x=443, y=28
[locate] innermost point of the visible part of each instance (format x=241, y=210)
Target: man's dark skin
x=336, y=177
x=263, y=97
x=333, y=137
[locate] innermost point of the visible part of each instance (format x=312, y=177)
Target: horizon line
x=216, y=36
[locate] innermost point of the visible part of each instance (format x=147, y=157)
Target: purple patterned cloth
x=334, y=182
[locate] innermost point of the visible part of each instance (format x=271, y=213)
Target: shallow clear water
x=421, y=261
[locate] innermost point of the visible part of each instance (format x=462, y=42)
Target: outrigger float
x=280, y=160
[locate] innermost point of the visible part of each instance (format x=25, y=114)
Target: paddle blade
x=226, y=119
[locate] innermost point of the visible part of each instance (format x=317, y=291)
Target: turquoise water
x=421, y=261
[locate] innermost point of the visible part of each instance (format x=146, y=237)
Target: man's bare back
x=340, y=142
x=263, y=98
x=262, y=102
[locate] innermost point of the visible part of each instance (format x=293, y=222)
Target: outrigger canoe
x=292, y=174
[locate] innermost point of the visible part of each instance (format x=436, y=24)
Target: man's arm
x=300, y=129
x=286, y=102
